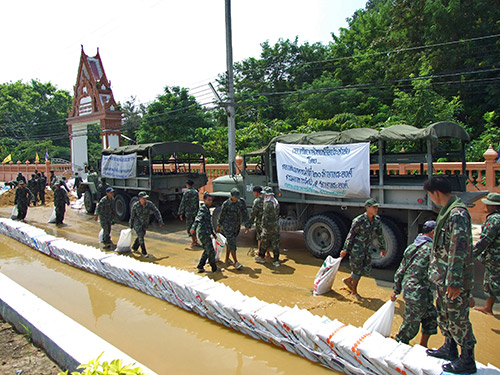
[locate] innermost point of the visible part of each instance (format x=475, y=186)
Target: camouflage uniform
x=452, y=266
x=105, y=212
x=202, y=224
x=22, y=201
x=487, y=251
x=60, y=201
x=359, y=243
x=412, y=277
x=42, y=183
x=101, y=190
x=77, y=184
x=33, y=186
x=270, y=239
x=20, y=177
x=256, y=215
x=139, y=221
x=231, y=216
x=189, y=206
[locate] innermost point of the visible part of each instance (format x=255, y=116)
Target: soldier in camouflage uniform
x=22, y=200
x=33, y=186
x=202, y=225
x=487, y=251
x=412, y=278
x=452, y=270
x=256, y=214
x=104, y=211
x=233, y=212
x=270, y=238
x=77, y=184
x=189, y=208
x=42, y=184
x=60, y=201
x=365, y=229
x=139, y=220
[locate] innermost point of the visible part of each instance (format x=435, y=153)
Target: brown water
x=164, y=337
x=167, y=338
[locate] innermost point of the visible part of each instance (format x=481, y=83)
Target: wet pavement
x=171, y=340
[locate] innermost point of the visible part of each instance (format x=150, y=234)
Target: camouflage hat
x=371, y=202
x=21, y=182
x=110, y=190
x=143, y=194
x=206, y=195
x=429, y=225
x=235, y=193
x=268, y=190
x=59, y=182
x=492, y=199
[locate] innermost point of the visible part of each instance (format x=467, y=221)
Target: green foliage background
x=398, y=61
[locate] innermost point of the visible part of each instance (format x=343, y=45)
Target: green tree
x=173, y=116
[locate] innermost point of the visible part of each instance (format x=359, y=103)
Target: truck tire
x=323, y=236
x=394, y=242
x=122, y=211
x=341, y=222
x=215, y=216
x=89, y=203
x=133, y=200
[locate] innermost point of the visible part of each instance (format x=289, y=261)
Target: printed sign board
x=341, y=171
x=119, y=166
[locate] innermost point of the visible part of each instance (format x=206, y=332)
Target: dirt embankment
x=19, y=356
x=7, y=198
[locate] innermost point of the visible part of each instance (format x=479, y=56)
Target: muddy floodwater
x=171, y=340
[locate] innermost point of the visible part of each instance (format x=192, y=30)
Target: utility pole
x=231, y=125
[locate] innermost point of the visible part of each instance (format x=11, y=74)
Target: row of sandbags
x=340, y=347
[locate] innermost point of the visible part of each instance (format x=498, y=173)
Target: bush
x=115, y=367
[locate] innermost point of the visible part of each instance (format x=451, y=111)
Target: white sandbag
x=307, y=332
x=381, y=321
x=326, y=275
x=418, y=362
x=52, y=218
x=125, y=241
x=376, y=348
x=14, y=213
x=219, y=245
x=395, y=359
x=292, y=320
x=326, y=332
x=265, y=319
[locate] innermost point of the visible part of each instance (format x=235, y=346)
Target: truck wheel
x=133, y=200
x=215, y=216
x=89, y=203
x=122, y=211
x=394, y=242
x=322, y=236
x=341, y=223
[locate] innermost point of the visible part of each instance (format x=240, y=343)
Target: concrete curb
x=65, y=341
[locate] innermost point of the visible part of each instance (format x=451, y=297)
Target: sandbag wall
x=333, y=344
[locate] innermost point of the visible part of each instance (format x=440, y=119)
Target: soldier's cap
x=143, y=194
x=235, y=193
x=206, y=195
x=110, y=190
x=371, y=202
x=21, y=182
x=59, y=182
x=268, y=190
x=190, y=182
x=257, y=189
x=492, y=199
x=428, y=227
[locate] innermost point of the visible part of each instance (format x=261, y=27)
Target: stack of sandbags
x=340, y=347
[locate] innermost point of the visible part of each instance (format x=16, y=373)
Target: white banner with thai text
x=341, y=171
x=119, y=166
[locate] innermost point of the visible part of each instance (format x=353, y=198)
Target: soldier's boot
x=448, y=351
x=143, y=248
x=465, y=364
x=135, y=246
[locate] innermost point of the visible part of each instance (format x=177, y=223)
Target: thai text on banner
x=341, y=171
x=119, y=166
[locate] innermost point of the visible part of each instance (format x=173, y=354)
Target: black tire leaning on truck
x=121, y=206
x=395, y=244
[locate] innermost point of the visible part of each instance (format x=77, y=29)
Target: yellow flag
x=7, y=159
x=37, y=158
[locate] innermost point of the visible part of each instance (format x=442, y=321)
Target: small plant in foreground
x=115, y=367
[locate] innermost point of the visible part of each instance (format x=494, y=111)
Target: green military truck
x=404, y=205
x=160, y=169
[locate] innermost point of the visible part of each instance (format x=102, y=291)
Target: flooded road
x=171, y=340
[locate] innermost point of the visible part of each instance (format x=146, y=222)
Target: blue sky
x=147, y=44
